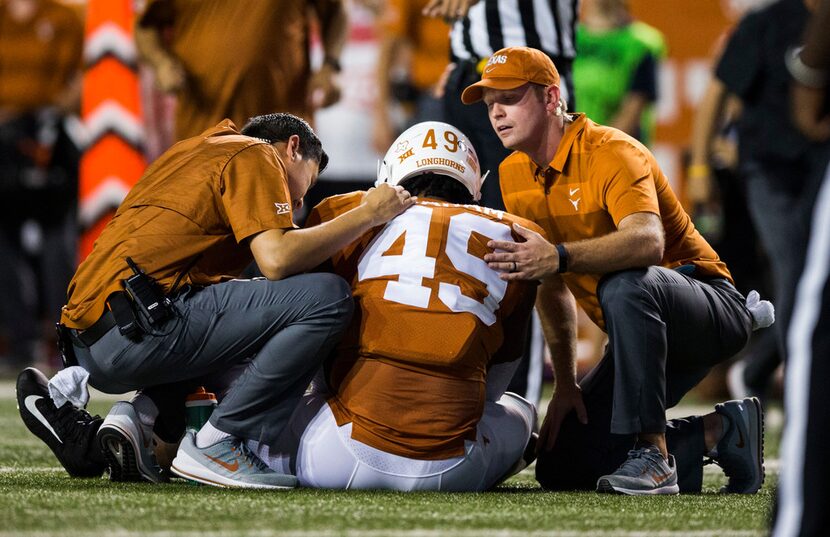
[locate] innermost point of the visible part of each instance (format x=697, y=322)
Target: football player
x=414, y=398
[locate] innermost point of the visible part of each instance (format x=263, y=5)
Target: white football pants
x=327, y=457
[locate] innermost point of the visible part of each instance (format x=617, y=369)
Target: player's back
x=430, y=317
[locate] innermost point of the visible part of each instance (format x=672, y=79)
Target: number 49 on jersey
x=413, y=264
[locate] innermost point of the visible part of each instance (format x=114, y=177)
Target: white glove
x=70, y=384
x=761, y=311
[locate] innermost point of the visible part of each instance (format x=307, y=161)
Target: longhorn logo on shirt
x=574, y=202
x=283, y=208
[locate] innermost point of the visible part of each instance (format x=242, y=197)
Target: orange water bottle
x=199, y=406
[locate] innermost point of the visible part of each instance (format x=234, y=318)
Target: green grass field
x=38, y=498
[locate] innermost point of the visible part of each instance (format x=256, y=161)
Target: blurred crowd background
x=92, y=91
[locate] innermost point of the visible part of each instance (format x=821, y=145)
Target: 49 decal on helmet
x=432, y=146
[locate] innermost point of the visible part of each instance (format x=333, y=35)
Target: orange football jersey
x=430, y=318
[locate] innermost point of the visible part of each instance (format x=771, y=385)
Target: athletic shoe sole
x=119, y=448
x=604, y=486
x=184, y=466
x=759, y=441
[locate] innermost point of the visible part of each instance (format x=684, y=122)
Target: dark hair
x=439, y=186
x=280, y=127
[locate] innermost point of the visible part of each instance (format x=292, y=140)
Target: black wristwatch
x=564, y=257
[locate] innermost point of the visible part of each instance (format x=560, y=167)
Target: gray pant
x=665, y=332
x=280, y=331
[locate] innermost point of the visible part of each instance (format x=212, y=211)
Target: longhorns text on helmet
x=432, y=146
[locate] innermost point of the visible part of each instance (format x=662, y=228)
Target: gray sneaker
x=740, y=451
x=127, y=446
x=227, y=463
x=644, y=472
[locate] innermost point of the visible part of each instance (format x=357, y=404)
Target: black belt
x=88, y=337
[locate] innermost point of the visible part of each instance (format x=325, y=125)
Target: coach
x=628, y=254
x=197, y=217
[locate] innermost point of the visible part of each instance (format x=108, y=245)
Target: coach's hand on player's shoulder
x=566, y=398
x=533, y=259
x=385, y=202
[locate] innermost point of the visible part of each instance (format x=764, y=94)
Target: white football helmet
x=432, y=146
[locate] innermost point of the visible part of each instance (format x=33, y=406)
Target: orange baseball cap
x=510, y=68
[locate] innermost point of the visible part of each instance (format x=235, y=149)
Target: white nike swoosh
x=30, y=406
x=573, y=191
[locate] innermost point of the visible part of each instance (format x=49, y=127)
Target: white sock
x=146, y=409
x=209, y=435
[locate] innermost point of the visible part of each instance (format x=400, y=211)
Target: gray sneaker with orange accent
x=228, y=463
x=644, y=472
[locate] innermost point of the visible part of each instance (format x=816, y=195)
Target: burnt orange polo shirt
x=431, y=318
x=38, y=58
x=187, y=217
x=598, y=176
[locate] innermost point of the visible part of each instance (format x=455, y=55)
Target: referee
x=804, y=484
x=484, y=27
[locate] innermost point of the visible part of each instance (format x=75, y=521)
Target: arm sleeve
x=344, y=262
x=255, y=193
x=332, y=207
x=644, y=80
x=627, y=181
x=740, y=63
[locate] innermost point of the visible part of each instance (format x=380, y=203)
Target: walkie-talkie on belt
x=146, y=295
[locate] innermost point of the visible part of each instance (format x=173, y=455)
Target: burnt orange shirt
x=430, y=318
x=428, y=36
x=39, y=57
x=598, y=176
x=242, y=58
x=188, y=216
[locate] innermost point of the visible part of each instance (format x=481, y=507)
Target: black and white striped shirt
x=490, y=25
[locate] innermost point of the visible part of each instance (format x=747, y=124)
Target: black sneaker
x=740, y=452
x=68, y=431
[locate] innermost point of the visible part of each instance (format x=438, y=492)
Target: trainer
x=627, y=253
x=202, y=212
